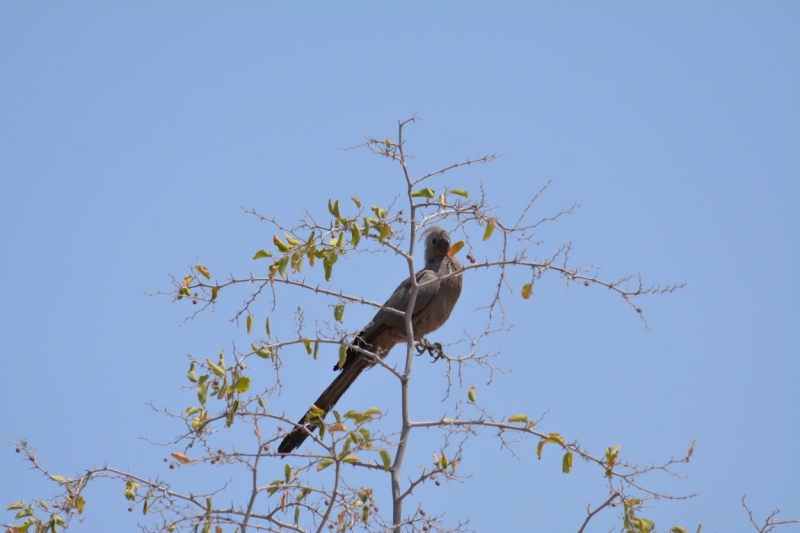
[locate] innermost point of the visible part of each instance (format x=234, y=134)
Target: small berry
x=194, y=302
x=165, y=459
x=172, y=466
x=130, y=509
x=438, y=483
x=639, y=310
x=422, y=512
x=586, y=283
x=18, y=450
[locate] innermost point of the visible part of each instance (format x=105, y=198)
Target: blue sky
x=131, y=134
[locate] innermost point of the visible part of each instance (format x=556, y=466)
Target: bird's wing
x=399, y=301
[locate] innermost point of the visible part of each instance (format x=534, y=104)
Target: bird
x=435, y=301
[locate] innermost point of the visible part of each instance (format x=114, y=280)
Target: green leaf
x=423, y=193
x=489, y=229
x=269, y=329
x=325, y=463
x=460, y=192
x=232, y=413
x=273, y=487
x=350, y=458
x=296, y=515
x=518, y=418
x=277, y=242
x=287, y=472
x=471, y=394
x=316, y=349
x=554, y=438
x=242, y=384
x=372, y=411
x=342, y=355
x=380, y=213
x=334, y=209
x=147, y=501
x=678, y=529
x=16, y=505
x=355, y=235
x=284, y=262
x=214, y=368
x=202, y=393
x=214, y=292
x=262, y=253
x=191, y=374
x=338, y=312
x=387, y=460
x=28, y=511
x=192, y=411
x=527, y=290
x=249, y=323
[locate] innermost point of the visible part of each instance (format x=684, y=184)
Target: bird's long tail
x=355, y=364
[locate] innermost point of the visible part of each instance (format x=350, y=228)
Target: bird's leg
x=434, y=350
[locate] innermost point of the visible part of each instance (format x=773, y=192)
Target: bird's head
x=437, y=243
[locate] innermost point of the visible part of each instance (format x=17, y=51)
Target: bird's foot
x=435, y=349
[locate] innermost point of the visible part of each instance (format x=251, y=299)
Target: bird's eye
x=433, y=240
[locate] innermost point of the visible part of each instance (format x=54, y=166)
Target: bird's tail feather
x=352, y=369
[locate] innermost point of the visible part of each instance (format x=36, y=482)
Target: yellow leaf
x=181, y=458
x=566, y=464
x=249, y=324
x=423, y=193
x=527, y=290
x=489, y=229
x=519, y=418
x=307, y=344
x=204, y=271
x=262, y=253
x=456, y=248
x=356, y=201
x=460, y=192
x=214, y=292
x=471, y=394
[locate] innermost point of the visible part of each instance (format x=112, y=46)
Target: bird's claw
x=435, y=349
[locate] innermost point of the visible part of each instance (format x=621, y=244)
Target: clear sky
x=131, y=134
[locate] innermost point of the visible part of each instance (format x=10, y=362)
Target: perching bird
x=435, y=301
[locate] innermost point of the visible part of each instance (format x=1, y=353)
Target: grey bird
x=435, y=301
